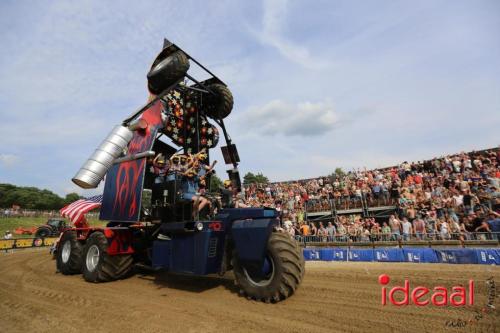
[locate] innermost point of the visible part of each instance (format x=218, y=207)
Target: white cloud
x=8, y=160
x=279, y=117
x=273, y=21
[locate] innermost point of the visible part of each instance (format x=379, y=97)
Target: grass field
x=11, y=223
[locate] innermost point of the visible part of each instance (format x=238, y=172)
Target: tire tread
x=292, y=268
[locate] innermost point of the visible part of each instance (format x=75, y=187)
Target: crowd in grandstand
x=444, y=198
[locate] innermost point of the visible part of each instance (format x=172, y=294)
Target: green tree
x=71, y=197
x=259, y=178
x=339, y=172
x=29, y=197
x=215, y=183
x=249, y=178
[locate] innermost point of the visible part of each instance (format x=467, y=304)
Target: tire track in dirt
x=334, y=297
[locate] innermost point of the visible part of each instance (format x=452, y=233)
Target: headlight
x=199, y=226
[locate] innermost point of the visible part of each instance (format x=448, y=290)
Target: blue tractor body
x=201, y=250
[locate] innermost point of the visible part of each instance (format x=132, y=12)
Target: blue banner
x=339, y=254
x=488, y=256
x=326, y=254
x=389, y=254
x=311, y=254
x=418, y=254
x=457, y=256
x=361, y=255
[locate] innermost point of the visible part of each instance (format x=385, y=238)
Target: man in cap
x=160, y=168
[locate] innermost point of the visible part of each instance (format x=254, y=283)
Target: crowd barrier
x=476, y=236
x=416, y=255
x=406, y=254
x=20, y=243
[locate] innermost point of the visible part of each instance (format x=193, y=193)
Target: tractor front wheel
x=99, y=266
x=69, y=254
x=280, y=275
x=167, y=71
x=219, y=104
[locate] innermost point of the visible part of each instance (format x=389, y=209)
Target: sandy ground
x=334, y=297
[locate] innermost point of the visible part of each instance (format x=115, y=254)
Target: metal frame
x=167, y=45
x=365, y=211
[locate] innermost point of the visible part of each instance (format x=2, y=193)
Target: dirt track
x=334, y=297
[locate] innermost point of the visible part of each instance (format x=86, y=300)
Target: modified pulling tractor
x=152, y=220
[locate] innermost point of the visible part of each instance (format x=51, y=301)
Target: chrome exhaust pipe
x=93, y=170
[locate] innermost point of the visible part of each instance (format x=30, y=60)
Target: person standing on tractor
x=203, y=170
x=160, y=168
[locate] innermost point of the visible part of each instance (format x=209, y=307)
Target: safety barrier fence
x=402, y=238
x=22, y=243
x=486, y=256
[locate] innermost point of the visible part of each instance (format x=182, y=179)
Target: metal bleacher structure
x=358, y=206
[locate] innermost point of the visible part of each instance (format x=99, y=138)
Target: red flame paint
x=129, y=173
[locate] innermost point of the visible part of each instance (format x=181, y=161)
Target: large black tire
x=43, y=232
x=286, y=273
x=220, y=105
x=167, y=71
x=99, y=266
x=302, y=260
x=69, y=254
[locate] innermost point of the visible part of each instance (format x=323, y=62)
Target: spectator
x=419, y=227
x=7, y=235
x=322, y=231
x=304, y=229
x=493, y=221
x=314, y=230
x=444, y=230
x=395, y=225
x=342, y=232
x=407, y=229
x=436, y=195
x=386, y=231
x=330, y=230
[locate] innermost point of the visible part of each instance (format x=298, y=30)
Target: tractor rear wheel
x=167, y=71
x=99, y=266
x=280, y=275
x=69, y=254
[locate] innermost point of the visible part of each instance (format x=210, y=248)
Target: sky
x=317, y=84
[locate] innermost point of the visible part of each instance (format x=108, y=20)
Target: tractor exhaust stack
x=94, y=169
